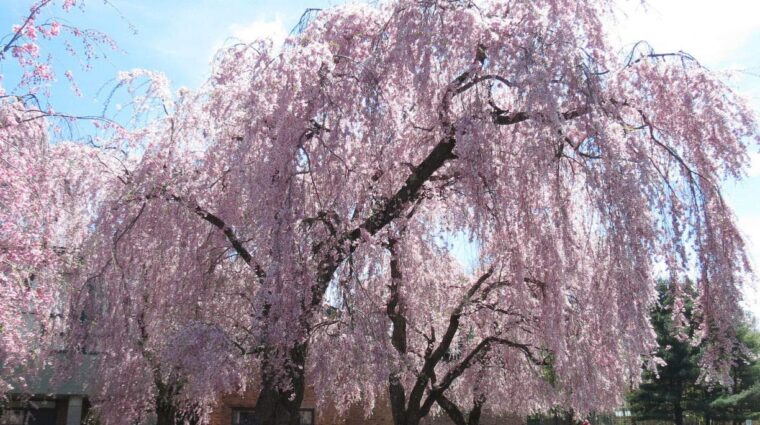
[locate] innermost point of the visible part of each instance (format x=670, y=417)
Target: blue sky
x=725, y=37
x=179, y=38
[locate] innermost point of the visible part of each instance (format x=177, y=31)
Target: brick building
x=66, y=403
x=45, y=401
x=232, y=410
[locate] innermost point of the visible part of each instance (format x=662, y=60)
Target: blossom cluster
x=295, y=217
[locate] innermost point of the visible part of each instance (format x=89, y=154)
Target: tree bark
x=164, y=415
x=474, y=417
x=279, y=402
x=166, y=412
x=455, y=413
x=678, y=414
x=397, y=400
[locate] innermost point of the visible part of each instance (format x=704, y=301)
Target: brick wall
x=355, y=416
x=222, y=415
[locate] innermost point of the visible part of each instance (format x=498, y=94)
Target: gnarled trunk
x=165, y=415
x=279, y=402
x=165, y=410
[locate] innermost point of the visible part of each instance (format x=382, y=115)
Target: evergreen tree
x=676, y=387
x=667, y=392
x=743, y=402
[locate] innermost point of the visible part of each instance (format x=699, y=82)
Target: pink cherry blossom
x=293, y=220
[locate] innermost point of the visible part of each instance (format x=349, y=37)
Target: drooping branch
x=408, y=193
x=220, y=224
x=501, y=117
x=28, y=21
x=689, y=171
x=422, y=173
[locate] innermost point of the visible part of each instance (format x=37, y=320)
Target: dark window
x=245, y=417
x=29, y=413
x=307, y=416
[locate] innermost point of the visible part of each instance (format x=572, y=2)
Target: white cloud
x=709, y=30
x=260, y=29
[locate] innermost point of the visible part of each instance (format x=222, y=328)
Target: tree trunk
x=164, y=416
x=279, y=402
x=401, y=415
x=408, y=420
x=678, y=414
x=166, y=413
x=397, y=400
x=474, y=417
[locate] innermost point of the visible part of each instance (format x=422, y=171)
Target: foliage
x=48, y=192
x=24, y=47
x=279, y=188
x=677, y=387
x=742, y=400
x=333, y=175
x=668, y=390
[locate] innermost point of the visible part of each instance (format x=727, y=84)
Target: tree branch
x=476, y=354
x=217, y=222
x=451, y=409
x=393, y=309
x=432, y=360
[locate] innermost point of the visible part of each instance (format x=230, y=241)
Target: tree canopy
x=295, y=216
x=48, y=192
